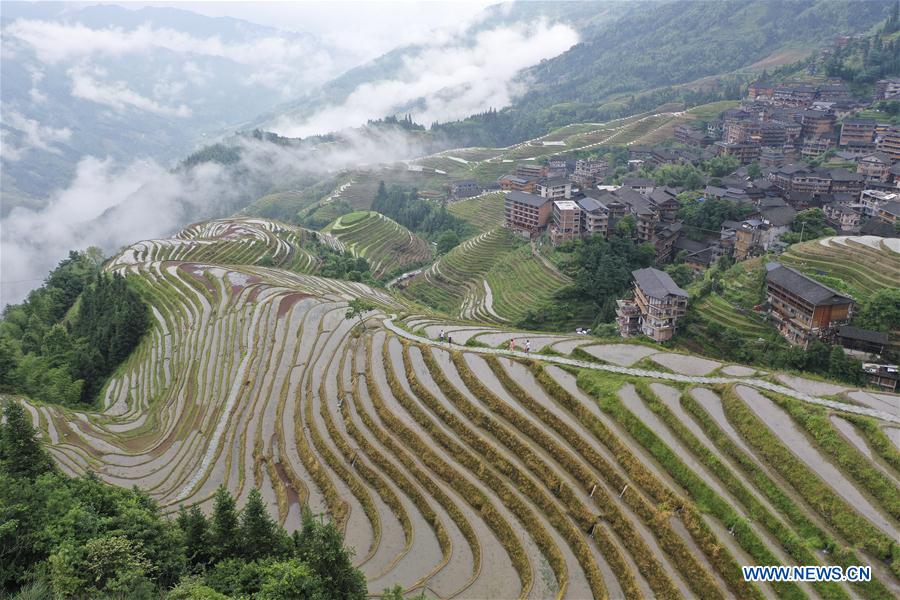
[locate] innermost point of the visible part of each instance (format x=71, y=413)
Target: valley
x=469, y=469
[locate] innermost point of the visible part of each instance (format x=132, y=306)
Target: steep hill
x=479, y=472
x=625, y=50
x=389, y=247
x=653, y=48
x=492, y=277
x=857, y=265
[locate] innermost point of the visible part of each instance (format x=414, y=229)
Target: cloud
x=275, y=59
x=449, y=79
x=111, y=205
x=118, y=96
x=34, y=93
x=34, y=136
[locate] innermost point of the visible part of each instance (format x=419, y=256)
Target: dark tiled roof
x=864, y=335
x=892, y=208
x=591, y=204
x=554, y=182
x=879, y=228
x=529, y=199
x=514, y=179
x=657, y=283
x=638, y=182
x=879, y=156
x=771, y=202
x=779, y=216
x=806, y=288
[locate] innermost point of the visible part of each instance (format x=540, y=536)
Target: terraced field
x=235, y=241
x=388, y=246
x=863, y=264
x=492, y=277
x=473, y=472
x=483, y=212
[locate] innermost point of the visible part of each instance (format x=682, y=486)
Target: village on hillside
x=795, y=160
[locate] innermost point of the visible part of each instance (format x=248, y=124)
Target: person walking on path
x=512, y=344
x=527, y=346
x=441, y=336
x=450, y=339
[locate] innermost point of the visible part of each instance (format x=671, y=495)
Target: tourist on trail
x=441, y=336
x=512, y=344
x=527, y=346
x=449, y=339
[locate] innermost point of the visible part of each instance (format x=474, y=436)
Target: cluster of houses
x=801, y=308
x=779, y=130
x=774, y=128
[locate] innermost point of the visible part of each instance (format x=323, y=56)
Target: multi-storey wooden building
x=875, y=167
x=802, y=308
x=889, y=142
x=528, y=213
x=509, y=183
x=657, y=305
x=857, y=130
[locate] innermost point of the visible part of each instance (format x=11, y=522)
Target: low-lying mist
x=111, y=205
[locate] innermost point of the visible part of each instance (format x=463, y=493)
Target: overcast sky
x=369, y=27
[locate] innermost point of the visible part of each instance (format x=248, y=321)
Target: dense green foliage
x=80, y=538
x=428, y=219
x=341, y=265
x=868, y=59
x=809, y=224
x=704, y=216
x=880, y=311
x=62, y=354
x=601, y=269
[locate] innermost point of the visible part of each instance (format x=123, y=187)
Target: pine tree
x=195, y=530
x=224, y=531
x=21, y=454
x=259, y=533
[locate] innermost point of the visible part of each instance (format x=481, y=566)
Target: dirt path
x=757, y=383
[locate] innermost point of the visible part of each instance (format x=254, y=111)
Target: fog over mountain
x=108, y=81
x=100, y=101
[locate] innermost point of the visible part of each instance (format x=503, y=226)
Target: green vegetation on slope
x=481, y=212
x=81, y=538
x=493, y=277
x=66, y=360
x=388, y=247
x=648, y=48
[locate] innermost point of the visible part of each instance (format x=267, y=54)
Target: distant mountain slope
x=669, y=44
x=624, y=48
x=151, y=83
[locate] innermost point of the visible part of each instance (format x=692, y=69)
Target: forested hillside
x=675, y=43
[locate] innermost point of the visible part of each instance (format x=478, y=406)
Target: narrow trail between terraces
x=758, y=383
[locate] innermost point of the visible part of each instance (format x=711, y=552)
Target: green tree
x=754, y=171
x=358, y=307
x=720, y=166
x=320, y=545
x=880, y=311
x=195, y=531
x=9, y=362
x=105, y=566
x=259, y=533
x=224, y=531
x=447, y=241
x=808, y=224
x=682, y=274
x=288, y=580
x=21, y=454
